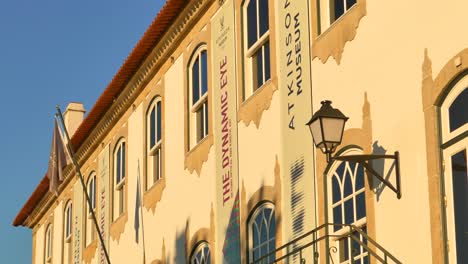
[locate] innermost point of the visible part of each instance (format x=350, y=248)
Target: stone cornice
x=160, y=54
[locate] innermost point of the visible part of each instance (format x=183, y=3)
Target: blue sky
x=52, y=52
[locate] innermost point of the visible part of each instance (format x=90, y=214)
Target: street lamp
x=327, y=126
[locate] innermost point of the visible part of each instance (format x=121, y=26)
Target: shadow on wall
x=179, y=256
x=379, y=166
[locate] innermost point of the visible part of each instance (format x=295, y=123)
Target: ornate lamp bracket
x=364, y=161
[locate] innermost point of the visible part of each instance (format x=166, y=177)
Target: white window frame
x=201, y=248
x=119, y=187
x=154, y=153
x=360, y=223
x=67, y=232
x=447, y=153
x=253, y=216
x=251, y=74
x=327, y=13
x=89, y=225
x=68, y=221
x=198, y=123
x=48, y=243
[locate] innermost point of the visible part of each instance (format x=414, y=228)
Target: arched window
x=454, y=120
x=89, y=226
x=262, y=233
x=48, y=244
x=67, y=233
x=119, y=179
x=154, y=142
x=198, y=99
x=347, y=205
x=257, y=43
x=201, y=254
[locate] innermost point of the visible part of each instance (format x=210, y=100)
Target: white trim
x=457, y=89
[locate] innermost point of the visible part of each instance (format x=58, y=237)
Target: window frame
x=452, y=143
x=200, y=246
x=89, y=225
x=250, y=233
x=119, y=187
x=48, y=243
x=250, y=70
x=195, y=124
x=457, y=89
x=157, y=148
x=68, y=217
x=360, y=223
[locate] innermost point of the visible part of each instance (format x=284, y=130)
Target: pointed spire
x=427, y=66
x=366, y=118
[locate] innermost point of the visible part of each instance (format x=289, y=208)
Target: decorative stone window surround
x=251, y=108
x=196, y=156
x=117, y=226
x=331, y=42
x=153, y=195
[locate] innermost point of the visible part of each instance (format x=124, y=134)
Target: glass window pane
x=344, y=253
x=336, y=191
x=365, y=260
x=263, y=16
x=350, y=3
x=118, y=167
x=123, y=161
x=460, y=204
x=195, y=82
x=359, y=178
x=349, y=213
x=361, y=205
x=340, y=171
x=458, y=111
x=263, y=233
x=199, y=123
x=152, y=129
x=255, y=235
x=348, y=185
x=204, y=72
x=259, y=70
x=272, y=229
x=339, y=9
x=251, y=23
x=337, y=217
x=206, y=118
x=158, y=120
x=267, y=61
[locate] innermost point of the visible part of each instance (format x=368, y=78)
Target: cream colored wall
x=57, y=233
x=385, y=61
x=39, y=244
x=258, y=150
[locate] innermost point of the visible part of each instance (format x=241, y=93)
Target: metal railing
x=307, y=248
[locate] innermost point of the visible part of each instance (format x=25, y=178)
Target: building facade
x=198, y=152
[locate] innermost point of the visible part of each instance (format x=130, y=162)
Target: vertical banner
x=104, y=200
x=225, y=134
x=77, y=221
x=294, y=78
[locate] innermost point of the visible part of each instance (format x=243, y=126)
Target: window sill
x=254, y=106
x=152, y=196
x=118, y=226
x=198, y=155
x=331, y=42
x=90, y=251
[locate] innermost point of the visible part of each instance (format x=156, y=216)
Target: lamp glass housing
x=327, y=127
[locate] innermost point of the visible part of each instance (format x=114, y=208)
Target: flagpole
x=80, y=176
x=141, y=211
